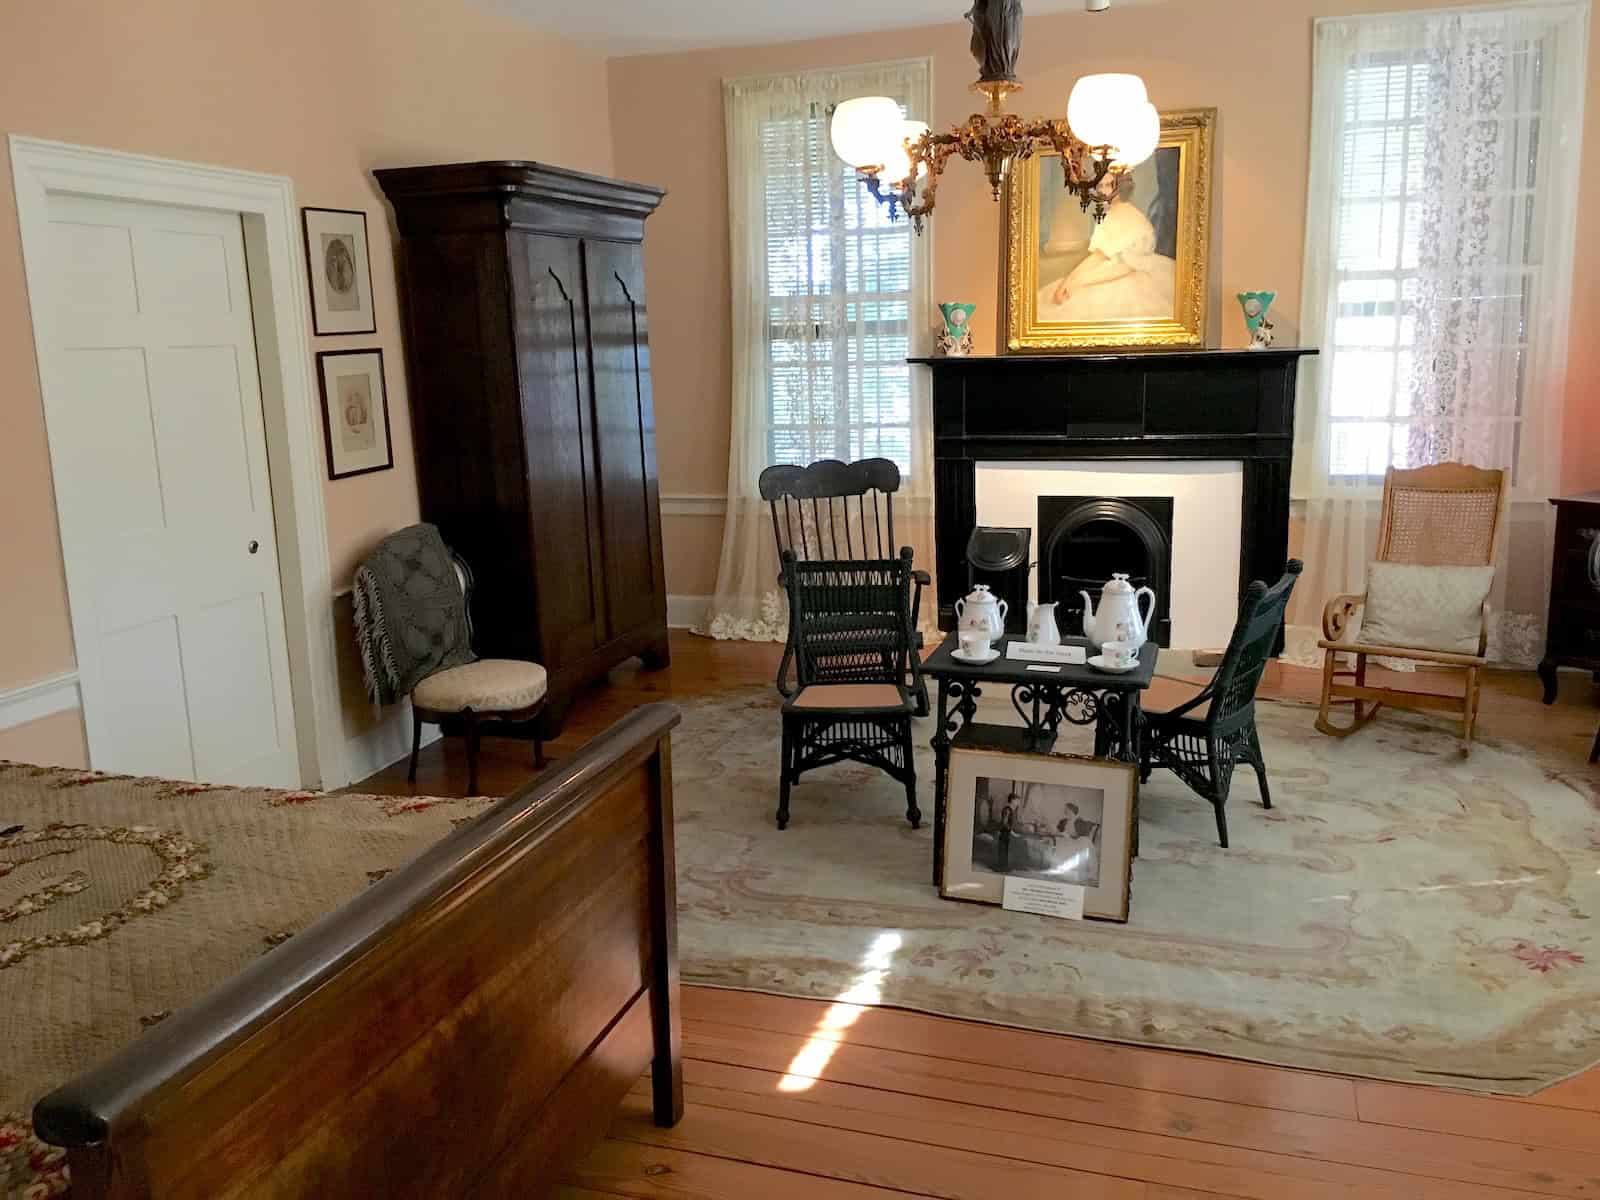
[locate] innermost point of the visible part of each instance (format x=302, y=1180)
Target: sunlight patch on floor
x=867, y=990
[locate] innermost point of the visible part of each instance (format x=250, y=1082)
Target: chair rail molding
x=42, y=698
x=276, y=258
x=693, y=504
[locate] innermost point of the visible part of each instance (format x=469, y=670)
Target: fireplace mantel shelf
x=1121, y=358
x=1143, y=405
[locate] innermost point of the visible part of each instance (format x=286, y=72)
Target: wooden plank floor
x=792, y=1099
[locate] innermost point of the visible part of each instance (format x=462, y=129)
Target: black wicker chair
x=853, y=655
x=1204, y=739
x=814, y=517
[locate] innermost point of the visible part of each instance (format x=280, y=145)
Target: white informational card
x=1046, y=899
x=1073, y=656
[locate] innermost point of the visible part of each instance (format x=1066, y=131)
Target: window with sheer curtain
x=829, y=297
x=1438, y=274
x=1384, y=203
x=839, y=284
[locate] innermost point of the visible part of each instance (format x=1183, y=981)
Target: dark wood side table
x=1078, y=695
x=1572, y=633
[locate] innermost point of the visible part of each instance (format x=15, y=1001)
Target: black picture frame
x=334, y=471
x=321, y=321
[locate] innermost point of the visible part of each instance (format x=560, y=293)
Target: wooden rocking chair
x=1443, y=515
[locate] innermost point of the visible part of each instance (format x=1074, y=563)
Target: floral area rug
x=122, y=900
x=1401, y=913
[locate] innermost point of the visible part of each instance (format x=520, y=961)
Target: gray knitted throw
x=411, y=616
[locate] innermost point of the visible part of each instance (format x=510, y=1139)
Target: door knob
x=254, y=545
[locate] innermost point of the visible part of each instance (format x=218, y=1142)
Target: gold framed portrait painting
x=1138, y=279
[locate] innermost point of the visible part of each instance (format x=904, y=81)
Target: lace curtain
x=1444, y=160
x=829, y=298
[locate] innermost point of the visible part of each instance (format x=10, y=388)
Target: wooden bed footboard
x=467, y=1026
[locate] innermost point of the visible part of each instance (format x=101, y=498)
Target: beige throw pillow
x=1427, y=608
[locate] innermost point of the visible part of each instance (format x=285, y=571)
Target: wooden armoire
x=522, y=292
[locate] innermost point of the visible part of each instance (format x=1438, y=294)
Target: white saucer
x=1098, y=662
x=960, y=656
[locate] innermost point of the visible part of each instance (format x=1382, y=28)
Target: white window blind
x=839, y=284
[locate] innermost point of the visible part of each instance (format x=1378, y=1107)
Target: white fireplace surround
x=1207, y=512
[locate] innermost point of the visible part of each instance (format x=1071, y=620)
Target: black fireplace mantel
x=1151, y=405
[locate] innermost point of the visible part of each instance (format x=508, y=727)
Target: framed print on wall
x=1046, y=817
x=355, y=412
x=1139, y=278
x=340, y=271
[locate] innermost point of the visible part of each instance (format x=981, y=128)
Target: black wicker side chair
x=831, y=511
x=856, y=667
x=1203, y=739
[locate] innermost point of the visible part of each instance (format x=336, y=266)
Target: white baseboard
x=685, y=612
x=385, y=744
x=58, y=693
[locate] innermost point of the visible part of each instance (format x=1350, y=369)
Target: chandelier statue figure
x=996, y=38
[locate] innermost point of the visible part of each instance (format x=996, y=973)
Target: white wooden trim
x=685, y=612
x=271, y=223
x=58, y=693
x=694, y=504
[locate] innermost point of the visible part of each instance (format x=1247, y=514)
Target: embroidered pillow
x=1426, y=608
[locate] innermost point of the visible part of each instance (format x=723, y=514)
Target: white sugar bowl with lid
x=980, y=611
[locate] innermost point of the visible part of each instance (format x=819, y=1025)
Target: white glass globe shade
x=1140, y=135
x=866, y=130
x=897, y=164
x=1099, y=106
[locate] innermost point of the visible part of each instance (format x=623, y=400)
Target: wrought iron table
x=1078, y=695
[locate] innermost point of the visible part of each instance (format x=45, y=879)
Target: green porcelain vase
x=955, y=338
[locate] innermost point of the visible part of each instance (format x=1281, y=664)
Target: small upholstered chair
x=1446, y=515
x=1204, y=739
x=856, y=669
x=489, y=691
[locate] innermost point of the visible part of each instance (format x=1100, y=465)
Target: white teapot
x=1119, y=618
x=980, y=611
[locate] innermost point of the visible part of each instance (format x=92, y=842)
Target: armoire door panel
x=468, y=431
x=558, y=441
x=624, y=434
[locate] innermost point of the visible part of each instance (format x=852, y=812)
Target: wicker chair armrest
x=921, y=578
x=1336, y=616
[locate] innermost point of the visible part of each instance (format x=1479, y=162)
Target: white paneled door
x=154, y=410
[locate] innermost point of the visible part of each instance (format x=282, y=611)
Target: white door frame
x=289, y=403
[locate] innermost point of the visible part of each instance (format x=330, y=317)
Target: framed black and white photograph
x=1050, y=818
x=340, y=271
x=355, y=412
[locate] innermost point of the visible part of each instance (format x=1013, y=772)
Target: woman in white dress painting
x=1121, y=278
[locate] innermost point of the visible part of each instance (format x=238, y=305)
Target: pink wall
x=1250, y=60
x=321, y=92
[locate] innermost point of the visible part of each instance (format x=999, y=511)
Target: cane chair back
x=832, y=510
x=851, y=619
x=1446, y=515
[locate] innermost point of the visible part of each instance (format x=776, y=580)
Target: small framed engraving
x=355, y=412
x=339, y=271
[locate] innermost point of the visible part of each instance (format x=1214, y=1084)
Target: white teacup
x=974, y=643
x=1120, y=654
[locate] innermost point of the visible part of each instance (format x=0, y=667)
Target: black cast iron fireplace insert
x=1084, y=540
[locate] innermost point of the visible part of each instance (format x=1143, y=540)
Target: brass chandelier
x=1110, y=128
